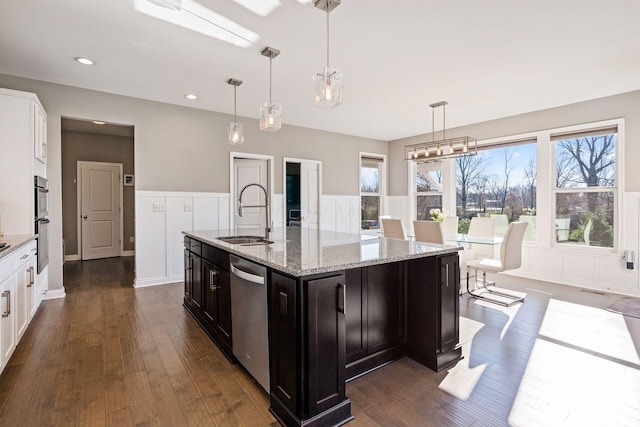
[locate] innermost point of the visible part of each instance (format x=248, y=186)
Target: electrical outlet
x=132, y=239
x=158, y=207
x=187, y=207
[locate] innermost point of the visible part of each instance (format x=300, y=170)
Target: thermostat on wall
x=128, y=180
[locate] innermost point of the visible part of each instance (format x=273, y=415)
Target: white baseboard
x=154, y=281
x=72, y=257
x=128, y=253
x=55, y=294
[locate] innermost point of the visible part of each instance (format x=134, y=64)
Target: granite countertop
x=14, y=242
x=301, y=252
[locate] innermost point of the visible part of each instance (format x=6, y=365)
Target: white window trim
x=382, y=193
x=618, y=190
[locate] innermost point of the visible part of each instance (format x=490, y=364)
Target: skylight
x=193, y=16
x=259, y=7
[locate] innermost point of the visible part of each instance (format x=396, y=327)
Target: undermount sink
x=245, y=240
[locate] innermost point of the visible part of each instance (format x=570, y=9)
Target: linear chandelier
x=444, y=148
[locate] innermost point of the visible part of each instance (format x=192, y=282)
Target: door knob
x=84, y=216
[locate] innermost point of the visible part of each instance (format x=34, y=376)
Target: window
x=499, y=181
x=586, y=187
x=428, y=189
x=371, y=191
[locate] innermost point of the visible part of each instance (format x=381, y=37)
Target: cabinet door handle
x=213, y=279
x=24, y=256
x=446, y=274
x=342, y=298
x=7, y=295
x=31, y=279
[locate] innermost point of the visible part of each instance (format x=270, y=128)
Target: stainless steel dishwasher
x=249, y=318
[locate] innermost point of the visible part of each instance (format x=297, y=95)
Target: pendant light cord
x=327, y=36
x=444, y=110
x=235, y=104
x=270, y=60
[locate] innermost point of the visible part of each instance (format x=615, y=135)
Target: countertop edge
x=235, y=250
x=16, y=241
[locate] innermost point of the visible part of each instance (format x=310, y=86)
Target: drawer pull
x=7, y=295
x=24, y=256
x=31, y=278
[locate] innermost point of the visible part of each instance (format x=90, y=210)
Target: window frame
x=617, y=190
x=434, y=166
x=382, y=186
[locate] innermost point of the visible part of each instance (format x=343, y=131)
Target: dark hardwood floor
x=109, y=354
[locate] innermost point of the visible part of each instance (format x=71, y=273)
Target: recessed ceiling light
x=191, y=96
x=84, y=61
x=98, y=122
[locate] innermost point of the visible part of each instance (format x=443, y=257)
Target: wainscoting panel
x=162, y=216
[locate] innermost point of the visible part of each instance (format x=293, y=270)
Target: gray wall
x=84, y=146
x=625, y=106
x=183, y=149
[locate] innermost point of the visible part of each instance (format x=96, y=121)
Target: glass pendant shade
x=236, y=133
x=270, y=117
x=328, y=88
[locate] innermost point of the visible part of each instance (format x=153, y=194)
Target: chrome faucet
x=267, y=229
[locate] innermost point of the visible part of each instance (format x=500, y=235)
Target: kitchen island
x=338, y=306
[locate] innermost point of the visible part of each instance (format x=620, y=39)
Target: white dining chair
x=501, y=222
x=510, y=259
x=482, y=227
x=393, y=228
x=428, y=231
x=450, y=226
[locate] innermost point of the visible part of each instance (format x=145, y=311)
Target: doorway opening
x=98, y=189
x=302, y=191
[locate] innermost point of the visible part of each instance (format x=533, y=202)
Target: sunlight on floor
x=512, y=312
x=461, y=379
x=591, y=329
x=564, y=386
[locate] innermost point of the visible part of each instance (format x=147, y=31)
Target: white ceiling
x=488, y=59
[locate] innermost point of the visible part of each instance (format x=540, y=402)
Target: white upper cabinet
x=39, y=132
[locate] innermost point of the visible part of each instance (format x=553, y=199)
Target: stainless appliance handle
x=247, y=276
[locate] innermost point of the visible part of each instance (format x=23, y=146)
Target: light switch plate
x=187, y=207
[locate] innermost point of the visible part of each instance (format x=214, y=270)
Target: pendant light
x=270, y=113
x=235, y=130
x=444, y=148
x=328, y=84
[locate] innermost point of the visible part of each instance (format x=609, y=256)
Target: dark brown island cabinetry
x=433, y=310
x=331, y=325
x=208, y=291
x=307, y=350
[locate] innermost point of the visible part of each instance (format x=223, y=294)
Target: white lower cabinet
x=25, y=287
x=18, y=298
x=8, y=337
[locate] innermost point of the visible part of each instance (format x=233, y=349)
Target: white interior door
x=100, y=209
x=309, y=194
x=250, y=171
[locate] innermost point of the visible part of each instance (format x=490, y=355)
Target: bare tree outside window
x=585, y=188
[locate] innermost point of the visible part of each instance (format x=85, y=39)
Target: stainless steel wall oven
x=41, y=221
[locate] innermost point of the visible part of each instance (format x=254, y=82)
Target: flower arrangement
x=438, y=215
